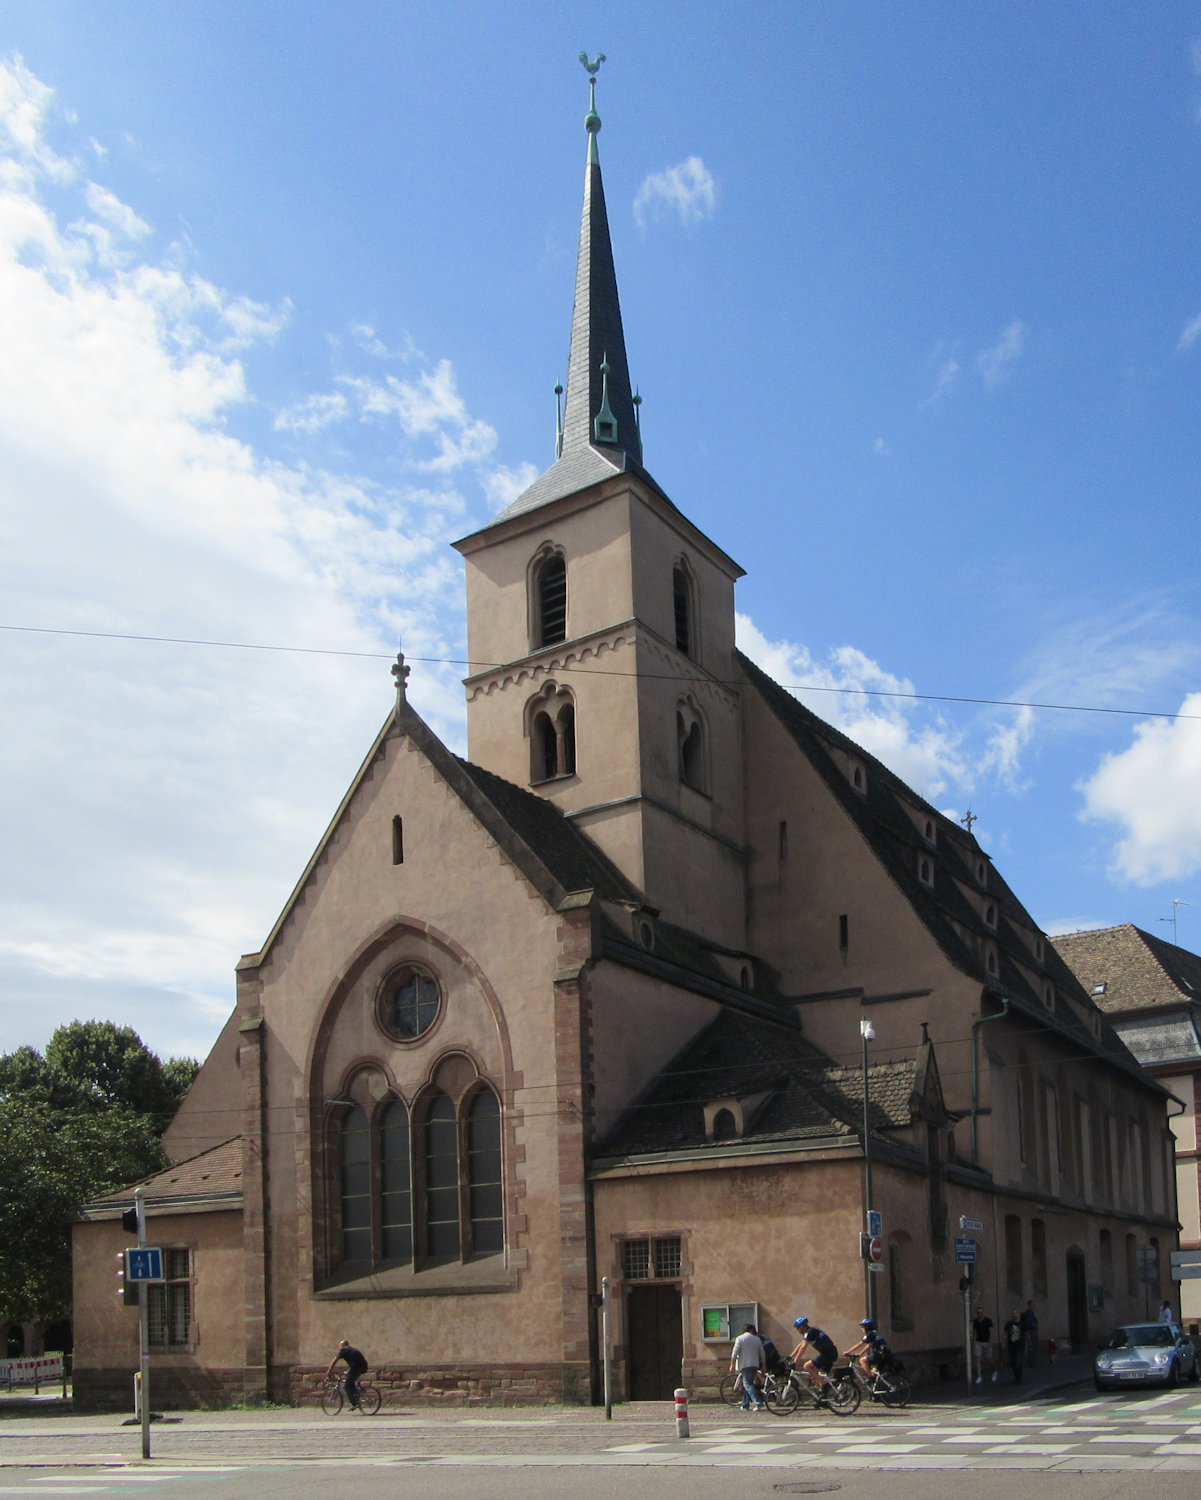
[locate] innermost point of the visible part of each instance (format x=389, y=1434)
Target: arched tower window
x=682, y=600
x=690, y=743
x=356, y=1186
x=550, y=601
x=441, y=1180
x=550, y=724
x=485, y=1192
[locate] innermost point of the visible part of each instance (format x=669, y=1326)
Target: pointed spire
x=596, y=333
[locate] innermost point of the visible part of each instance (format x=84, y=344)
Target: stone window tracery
x=420, y=1186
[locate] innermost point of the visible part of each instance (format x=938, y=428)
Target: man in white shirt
x=748, y=1358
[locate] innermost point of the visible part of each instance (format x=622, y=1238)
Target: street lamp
x=868, y=1032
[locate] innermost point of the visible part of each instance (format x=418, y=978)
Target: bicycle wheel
x=369, y=1400
x=730, y=1389
x=781, y=1396
x=331, y=1399
x=894, y=1390
x=842, y=1396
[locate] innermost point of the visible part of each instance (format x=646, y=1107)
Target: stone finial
x=401, y=673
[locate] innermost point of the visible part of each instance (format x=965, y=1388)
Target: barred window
x=169, y=1302
x=660, y=1258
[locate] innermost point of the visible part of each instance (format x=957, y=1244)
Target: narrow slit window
x=398, y=840
x=552, y=602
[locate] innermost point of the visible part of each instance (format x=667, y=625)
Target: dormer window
x=981, y=872
x=928, y=832
x=550, y=600
x=1099, y=989
x=858, y=779
x=925, y=870
x=990, y=915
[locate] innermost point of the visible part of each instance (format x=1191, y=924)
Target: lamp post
x=868, y=1032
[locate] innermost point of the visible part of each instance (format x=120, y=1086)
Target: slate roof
x=1138, y=970
x=807, y=1097
x=570, y=856
x=879, y=811
x=212, y=1175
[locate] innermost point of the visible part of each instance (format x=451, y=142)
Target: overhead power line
x=484, y=666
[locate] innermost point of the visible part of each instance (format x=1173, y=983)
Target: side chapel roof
x=794, y=1092
x=212, y=1179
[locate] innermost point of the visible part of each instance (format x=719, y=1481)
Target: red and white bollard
x=681, y=1413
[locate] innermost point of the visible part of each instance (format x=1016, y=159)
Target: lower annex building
x=591, y=1004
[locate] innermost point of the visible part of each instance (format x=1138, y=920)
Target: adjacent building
x=626, y=997
x=1151, y=992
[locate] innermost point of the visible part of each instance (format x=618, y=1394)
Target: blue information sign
x=144, y=1264
x=875, y=1222
x=965, y=1250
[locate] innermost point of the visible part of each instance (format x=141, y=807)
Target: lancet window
x=420, y=1185
x=550, y=725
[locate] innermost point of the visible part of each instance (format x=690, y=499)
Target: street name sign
x=966, y=1223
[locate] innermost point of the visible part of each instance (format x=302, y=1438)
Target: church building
x=647, y=992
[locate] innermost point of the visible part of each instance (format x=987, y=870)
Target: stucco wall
x=209, y=1370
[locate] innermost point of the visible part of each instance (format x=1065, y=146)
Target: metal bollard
x=681, y=1413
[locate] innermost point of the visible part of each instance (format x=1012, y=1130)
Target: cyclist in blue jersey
x=825, y=1351
x=870, y=1351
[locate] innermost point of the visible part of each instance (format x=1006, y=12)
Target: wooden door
x=655, y=1341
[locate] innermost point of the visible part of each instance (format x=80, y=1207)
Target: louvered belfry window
x=552, y=602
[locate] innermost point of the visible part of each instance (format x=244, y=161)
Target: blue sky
x=913, y=296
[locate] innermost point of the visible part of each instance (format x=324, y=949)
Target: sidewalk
x=1042, y=1380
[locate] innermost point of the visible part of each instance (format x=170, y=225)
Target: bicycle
x=783, y=1392
x=333, y=1396
x=890, y=1387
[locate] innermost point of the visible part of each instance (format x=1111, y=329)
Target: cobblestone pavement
x=1151, y=1431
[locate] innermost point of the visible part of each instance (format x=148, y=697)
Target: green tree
x=83, y=1120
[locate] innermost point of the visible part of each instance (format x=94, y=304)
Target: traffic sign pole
x=139, y=1198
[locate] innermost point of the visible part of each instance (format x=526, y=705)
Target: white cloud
x=946, y=372
x=993, y=365
x=928, y=757
x=1150, y=790
x=687, y=190
x=1189, y=335
x=158, y=801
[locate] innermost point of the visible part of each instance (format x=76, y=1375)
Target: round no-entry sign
x=876, y=1249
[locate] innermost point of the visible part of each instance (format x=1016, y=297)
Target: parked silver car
x=1145, y=1354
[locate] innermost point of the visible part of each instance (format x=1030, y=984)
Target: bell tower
x=601, y=625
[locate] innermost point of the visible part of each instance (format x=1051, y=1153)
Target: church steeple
x=598, y=346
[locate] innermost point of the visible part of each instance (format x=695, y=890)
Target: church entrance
x=654, y=1341
x=1077, y=1300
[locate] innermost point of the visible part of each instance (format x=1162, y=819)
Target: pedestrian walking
x=982, y=1339
x=1014, y=1340
x=748, y=1358
x=1166, y=1314
x=1030, y=1329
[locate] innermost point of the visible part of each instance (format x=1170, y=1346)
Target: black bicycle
x=333, y=1396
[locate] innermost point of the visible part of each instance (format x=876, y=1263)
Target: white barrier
x=45, y=1370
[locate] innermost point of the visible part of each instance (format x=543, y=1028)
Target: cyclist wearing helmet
x=825, y=1351
x=870, y=1349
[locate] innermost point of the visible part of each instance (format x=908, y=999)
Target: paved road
x=290, y=1453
